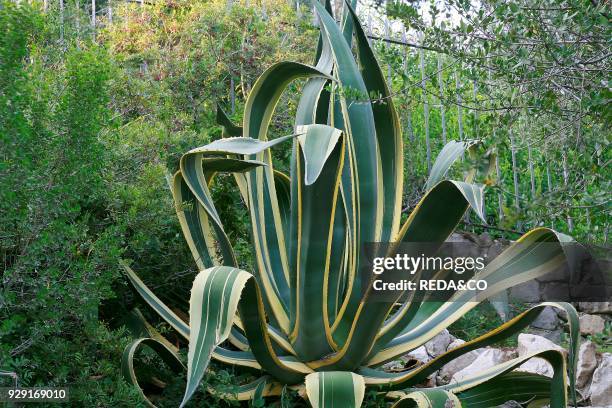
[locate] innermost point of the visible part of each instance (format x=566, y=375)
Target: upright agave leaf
x=301, y=317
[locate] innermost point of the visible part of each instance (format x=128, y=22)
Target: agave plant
x=301, y=317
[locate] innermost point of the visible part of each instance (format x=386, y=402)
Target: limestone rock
x=531, y=343
x=591, y=324
x=459, y=363
x=595, y=307
x=439, y=344
x=487, y=359
x=601, y=386
x=537, y=366
x=552, y=335
x=547, y=320
x=587, y=362
x=419, y=354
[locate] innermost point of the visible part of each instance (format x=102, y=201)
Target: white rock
x=439, y=344
x=459, y=363
x=587, y=362
x=591, y=324
x=419, y=354
x=601, y=386
x=537, y=366
x=530, y=343
x=595, y=307
x=487, y=359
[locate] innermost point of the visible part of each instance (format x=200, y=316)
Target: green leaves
x=317, y=143
x=449, y=154
x=214, y=301
x=331, y=389
x=429, y=398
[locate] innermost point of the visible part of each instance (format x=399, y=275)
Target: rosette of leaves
x=301, y=317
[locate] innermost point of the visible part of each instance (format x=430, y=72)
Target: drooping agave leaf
x=240, y=145
x=449, y=154
x=330, y=389
x=168, y=355
x=240, y=358
x=164, y=311
x=428, y=398
x=214, y=301
x=558, y=392
x=317, y=143
x=513, y=386
x=216, y=295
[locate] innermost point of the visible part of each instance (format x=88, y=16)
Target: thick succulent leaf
x=282, y=183
x=216, y=295
x=388, y=129
x=193, y=174
x=449, y=154
x=362, y=177
x=558, y=392
x=169, y=356
x=240, y=358
x=229, y=129
x=428, y=398
x=360, y=129
x=323, y=151
x=214, y=300
x=335, y=389
x=195, y=224
x=557, y=389
x=317, y=142
x=347, y=22
x=266, y=221
x=239, y=145
x=228, y=164
x=512, y=386
x=164, y=311
x=251, y=309
x=336, y=279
